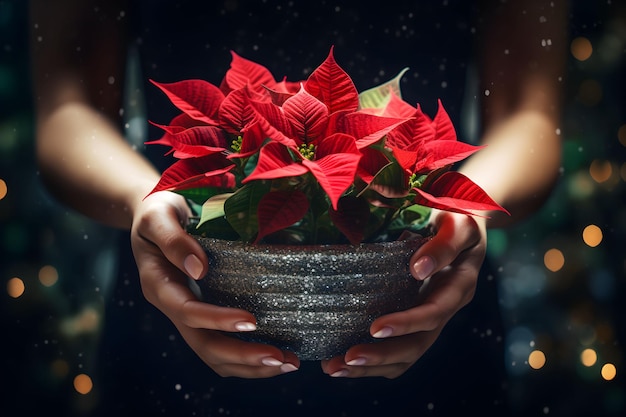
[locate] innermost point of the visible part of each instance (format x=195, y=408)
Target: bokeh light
x=621, y=135
x=536, y=359
x=83, y=384
x=588, y=357
x=48, y=276
x=553, y=259
x=3, y=189
x=580, y=186
x=592, y=235
x=609, y=371
x=600, y=171
x=15, y=287
x=581, y=48
x=87, y=321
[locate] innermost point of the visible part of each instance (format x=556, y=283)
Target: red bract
x=333, y=86
x=206, y=171
x=422, y=144
x=197, y=99
x=245, y=73
x=194, y=142
x=303, y=158
x=333, y=165
x=304, y=123
x=453, y=191
x=235, y=111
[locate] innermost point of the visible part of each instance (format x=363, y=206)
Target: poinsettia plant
x=311, y=161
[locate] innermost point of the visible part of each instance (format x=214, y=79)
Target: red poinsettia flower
x=313, y=160
x=425, y=146
x=319, y=132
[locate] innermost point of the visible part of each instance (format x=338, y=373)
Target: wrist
x=136, y=195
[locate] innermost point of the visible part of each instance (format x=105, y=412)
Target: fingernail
x=424, y=267
x=193, y=266
x=382, y=333
x=287, y=367
x=357, y=362
x=340, y=373
x=244, y=326
x=271, y=362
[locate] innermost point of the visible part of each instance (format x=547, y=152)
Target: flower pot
x=316, y=301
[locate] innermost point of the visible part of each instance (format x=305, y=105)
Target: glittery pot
x=316, y=301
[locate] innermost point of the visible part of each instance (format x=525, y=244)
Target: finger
x=166, y=288
x=404, y=349
x=445, y=294
x=455, y=233
x=161, y=224
x=229, y=356
x=341, y=370
x=388, y=359
x=250, y=372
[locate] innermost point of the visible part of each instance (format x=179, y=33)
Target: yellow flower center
x=307, y=151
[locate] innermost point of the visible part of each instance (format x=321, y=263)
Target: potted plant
x=309, y=196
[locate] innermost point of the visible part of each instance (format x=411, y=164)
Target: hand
x=449, y=264
x=165, y=256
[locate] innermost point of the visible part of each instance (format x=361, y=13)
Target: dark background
x=66, y=262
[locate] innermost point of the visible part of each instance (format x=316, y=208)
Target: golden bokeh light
x=553, y=259
x=87, y=321
x=600, y=171
x=588, y=357
x=83, y=384
x=3, y=189
x=581, y=48
x=621, y=134
x=592, y=235
x=15, y=287
x=536, y=359
x=48, y=275
x=608, y=371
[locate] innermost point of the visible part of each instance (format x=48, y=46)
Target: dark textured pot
x=316, y=301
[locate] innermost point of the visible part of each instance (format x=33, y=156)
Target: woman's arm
x=78, y=64
x=78, y=51
x=522, y=51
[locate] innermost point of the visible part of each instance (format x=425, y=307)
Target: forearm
x=522, y=64
x=78, y=61
x=519, y=165
x=87, y=164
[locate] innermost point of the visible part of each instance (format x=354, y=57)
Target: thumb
x=160, y=223
x=454, y=234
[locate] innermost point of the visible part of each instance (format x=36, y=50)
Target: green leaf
x=213, y=208
x=416, y=213
x=198, y=195
x=379, y=219
x=390, y=182
x=414, y=217
x=241, y=208
x=378, y=97
x=217, y=228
